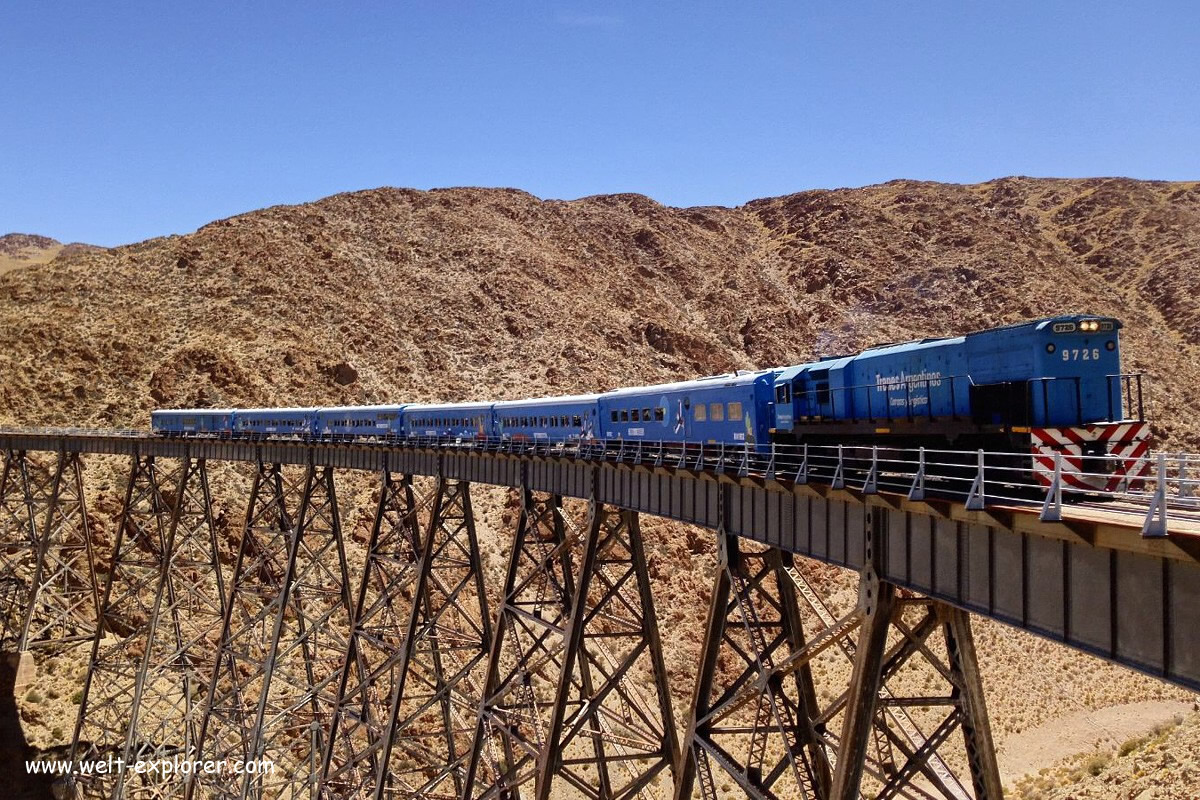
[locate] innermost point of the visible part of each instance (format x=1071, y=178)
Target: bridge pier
x=47, y=569
x=525, y=658
x=377, y=642
x=759, y=723
x=125, y=643
x=283, y=639
x=758, y=727
x=612, y=631
x=438, y=675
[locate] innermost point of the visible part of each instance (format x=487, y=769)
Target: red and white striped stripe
x=1128, y=441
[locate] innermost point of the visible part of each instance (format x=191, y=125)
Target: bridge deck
x=1090, y=581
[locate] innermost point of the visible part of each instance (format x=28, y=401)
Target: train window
x=735, y=410
x=625, y=415
x=716, y=412
x=614, y=415
x=701, y=416
x=659, y=414
x=578, y=423
x=635, y=415
x=645, y=415
x=564, y=420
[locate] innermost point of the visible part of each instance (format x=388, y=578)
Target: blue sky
x=124, y=121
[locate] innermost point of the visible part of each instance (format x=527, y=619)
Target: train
x=1045, y=387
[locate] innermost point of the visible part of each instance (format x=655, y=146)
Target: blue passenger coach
x=553, y=419
x=733, y=408
x=458, y=421
x=275, y=422
x=192, y=421
x=342, y=422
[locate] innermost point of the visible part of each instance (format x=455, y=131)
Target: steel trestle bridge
x=406, y=672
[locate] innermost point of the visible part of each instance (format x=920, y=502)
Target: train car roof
x=741, y=378
x=345, y=409
x=193, y=411
x=275, y=410
x=545, y=401
x=428, y=406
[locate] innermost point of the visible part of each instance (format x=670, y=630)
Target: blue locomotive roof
x=898, y=348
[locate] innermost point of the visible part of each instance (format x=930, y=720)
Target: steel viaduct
x=407, y=672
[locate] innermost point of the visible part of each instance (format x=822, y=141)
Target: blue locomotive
x=1050, y=386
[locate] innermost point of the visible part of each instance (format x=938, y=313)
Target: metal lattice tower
x=437, y=694
x=377, y=642
x=526, y=654
x=283, y=644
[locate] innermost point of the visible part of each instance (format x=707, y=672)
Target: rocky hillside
x=392, y=294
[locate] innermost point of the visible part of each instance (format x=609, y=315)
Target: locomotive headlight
x=1089, y=325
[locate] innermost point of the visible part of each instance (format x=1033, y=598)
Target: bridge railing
x=1156, y=485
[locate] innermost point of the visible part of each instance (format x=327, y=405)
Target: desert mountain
x=26, y=250
x=392, y=294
